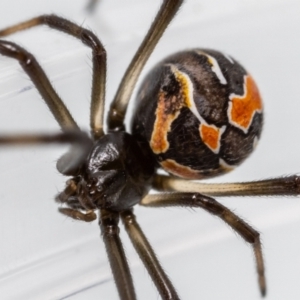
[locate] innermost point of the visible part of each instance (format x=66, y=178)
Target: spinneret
x=201, y=113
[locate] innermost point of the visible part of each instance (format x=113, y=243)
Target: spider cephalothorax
x=116, y=174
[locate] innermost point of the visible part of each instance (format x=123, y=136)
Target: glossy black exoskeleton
x=117, y=173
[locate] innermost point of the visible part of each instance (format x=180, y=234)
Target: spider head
x=116, y=174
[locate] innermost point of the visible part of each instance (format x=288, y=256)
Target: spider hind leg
x=209, y=204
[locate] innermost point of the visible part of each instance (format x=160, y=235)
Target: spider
x=198, y=114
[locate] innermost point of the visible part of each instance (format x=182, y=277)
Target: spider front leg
x=70, y=162
x=119, y=105
x=77, y=138
x=108, y=223
x=41, y=81
x=148, y=257
x=212, y=206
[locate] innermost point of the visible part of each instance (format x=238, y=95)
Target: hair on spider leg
x=198, y=114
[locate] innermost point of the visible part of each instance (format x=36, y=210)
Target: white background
x=44, y=255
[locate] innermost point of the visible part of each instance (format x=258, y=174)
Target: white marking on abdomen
x=215, y=67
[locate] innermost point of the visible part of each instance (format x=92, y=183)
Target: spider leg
x=110, y=231
x=70, y=162
x=289, y=185
x=212, y=206
x=119, y=105
x=147, y=255
x=43, y=85
x=67, y=137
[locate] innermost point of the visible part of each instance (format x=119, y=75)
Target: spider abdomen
x=200, y=112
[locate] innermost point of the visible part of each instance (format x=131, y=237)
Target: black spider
x=198, y=114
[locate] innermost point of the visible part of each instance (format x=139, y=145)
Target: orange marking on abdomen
x=241, y=109
x=159, y=141
x=168, y=109
x=211, y=136
x=173, y=167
